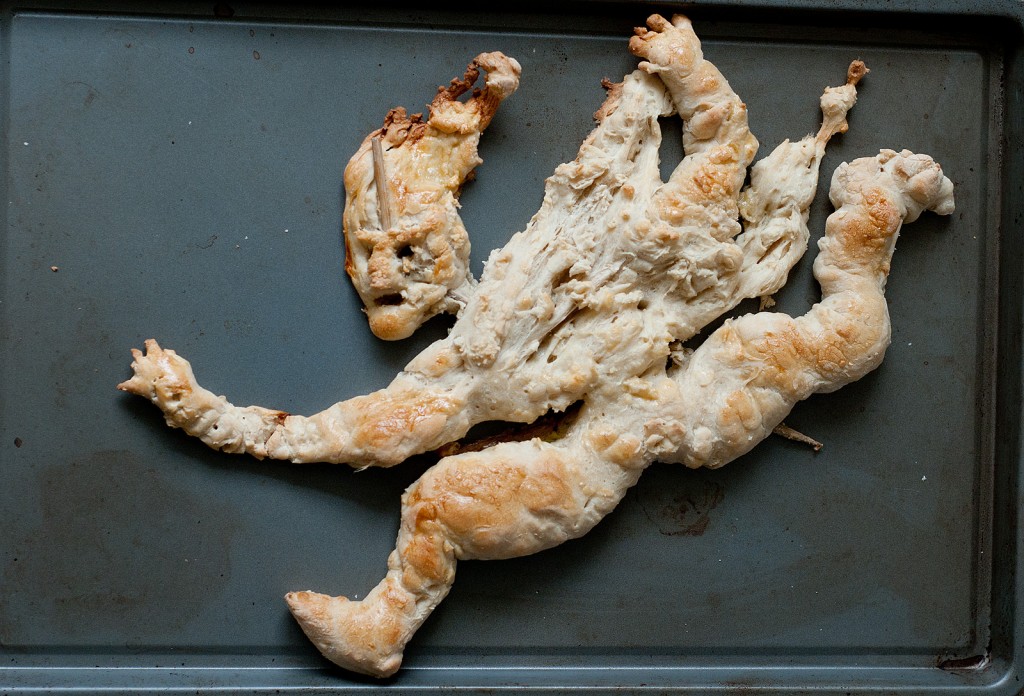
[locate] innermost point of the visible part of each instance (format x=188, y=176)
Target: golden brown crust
x=856, y=72
x=388, y=419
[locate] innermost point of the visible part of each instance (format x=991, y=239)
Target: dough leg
x=764, y=363
x=511, y=500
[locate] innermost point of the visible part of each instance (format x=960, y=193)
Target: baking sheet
x=179, y=166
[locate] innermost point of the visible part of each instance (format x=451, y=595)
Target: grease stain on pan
x=685, y=511
x=118, y=545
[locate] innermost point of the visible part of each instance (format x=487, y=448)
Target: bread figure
x=591, y=305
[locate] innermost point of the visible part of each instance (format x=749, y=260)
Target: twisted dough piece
x=407, y=251
x=520, y=498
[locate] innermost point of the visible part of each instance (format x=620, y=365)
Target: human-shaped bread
x=592, y=305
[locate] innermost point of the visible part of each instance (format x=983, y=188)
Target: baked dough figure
x=591, y=304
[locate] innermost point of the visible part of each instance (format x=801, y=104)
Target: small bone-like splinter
x=789, y=433
x=380, y=180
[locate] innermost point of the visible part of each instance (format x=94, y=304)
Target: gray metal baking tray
x=178, y=166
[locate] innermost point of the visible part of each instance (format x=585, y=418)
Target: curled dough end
x=324, y=618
